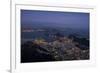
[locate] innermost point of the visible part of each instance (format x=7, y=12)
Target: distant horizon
x=36, y=27
x=36, y=18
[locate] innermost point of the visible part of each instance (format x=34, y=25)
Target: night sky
x=32, y=18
